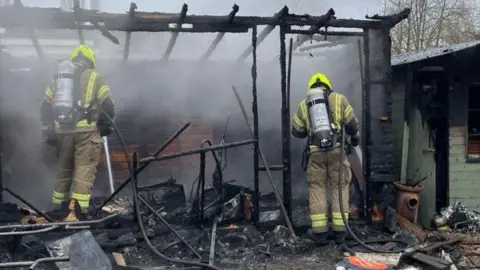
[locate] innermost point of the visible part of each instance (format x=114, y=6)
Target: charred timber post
x=366, y=140
x=78, y=16
x=265, y=32
x=131, y=18
x=220, y=36
x=286, y=173
x=256, y=148
x=361, y=55
x=129, y=179
x=196, y=151
x=314, y=28
x=31, y=31
x=174, y=37
x=201, y=205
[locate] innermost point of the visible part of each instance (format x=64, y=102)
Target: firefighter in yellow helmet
x=319, y=118
x=74, y=119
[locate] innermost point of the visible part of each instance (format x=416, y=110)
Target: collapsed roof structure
x=376, y=125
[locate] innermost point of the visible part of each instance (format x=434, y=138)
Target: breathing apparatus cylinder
x=319, y=115
x=65, y=81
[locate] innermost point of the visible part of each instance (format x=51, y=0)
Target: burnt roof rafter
x=54, y=18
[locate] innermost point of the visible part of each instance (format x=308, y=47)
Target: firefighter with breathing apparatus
x=73, y=115
x=319, y=118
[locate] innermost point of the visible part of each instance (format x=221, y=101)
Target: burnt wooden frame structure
x=133, y=21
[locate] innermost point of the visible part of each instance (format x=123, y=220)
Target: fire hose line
x=132, y=168
x=344, y=218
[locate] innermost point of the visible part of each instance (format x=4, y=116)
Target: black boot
x=342, y=237
x=319, y=238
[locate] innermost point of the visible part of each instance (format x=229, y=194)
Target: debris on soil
x=458, y=218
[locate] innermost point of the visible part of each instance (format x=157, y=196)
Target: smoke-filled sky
x=344, y=8
x=141, y=87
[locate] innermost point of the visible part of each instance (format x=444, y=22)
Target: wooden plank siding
x=464, y=177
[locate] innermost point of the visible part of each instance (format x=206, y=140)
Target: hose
x=137, y=206
x=342, y=212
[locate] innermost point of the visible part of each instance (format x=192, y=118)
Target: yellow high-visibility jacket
x=341, y=114
x=94, y=92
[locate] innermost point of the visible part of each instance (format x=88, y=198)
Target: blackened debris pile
x=458, y=218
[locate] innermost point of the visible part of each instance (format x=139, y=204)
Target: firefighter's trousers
x=78, y=155
x=323, y=168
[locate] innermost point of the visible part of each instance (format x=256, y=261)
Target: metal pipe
x=63, y=223
x=31, y=206
x=219, y=37
x=55, y=259
x=111, y=183
x=255, y=133
x=33, y=264
x=163, y=147
x=174, y=37
x=272, y=168
x=131, y=17
x=270, y=178
x=196, y=151
x=265, y=32
x=168, y=225
x=17, y=233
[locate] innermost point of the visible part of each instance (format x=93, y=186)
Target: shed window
x=473, y=116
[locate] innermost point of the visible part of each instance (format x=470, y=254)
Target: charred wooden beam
x=326, y=33
x=31, y=31
x=391, y=19
x=78, y=16
x=105, y=33
x=54, y=18
x=266, y=31
x=196, y=151
x=199, y=28
x=220, y=36
x=131, y=15
x=314, y=28
x=174, y=37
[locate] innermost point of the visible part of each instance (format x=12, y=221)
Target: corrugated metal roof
x=410, y=57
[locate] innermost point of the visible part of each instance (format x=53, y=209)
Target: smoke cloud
x=153, y=98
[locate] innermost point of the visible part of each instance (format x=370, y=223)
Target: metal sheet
x=84, y=252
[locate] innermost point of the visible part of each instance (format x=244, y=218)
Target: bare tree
x=432, y=23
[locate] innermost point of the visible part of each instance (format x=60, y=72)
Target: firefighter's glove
x=49, y=136
x=104, y=128
x=355, y=140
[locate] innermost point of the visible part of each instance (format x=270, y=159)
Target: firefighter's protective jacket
x=94, y=93
x=342, y=113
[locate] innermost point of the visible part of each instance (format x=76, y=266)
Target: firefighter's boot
x=73, y=208
x=318, y=238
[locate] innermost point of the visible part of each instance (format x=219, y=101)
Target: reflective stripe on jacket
x=94, y=92
x=341, y=114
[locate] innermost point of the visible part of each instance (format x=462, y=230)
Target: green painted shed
x=436, y=120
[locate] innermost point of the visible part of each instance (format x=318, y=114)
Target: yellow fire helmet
x=319, y=78
x=85, y=52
